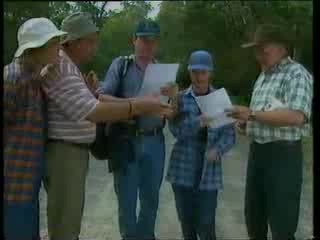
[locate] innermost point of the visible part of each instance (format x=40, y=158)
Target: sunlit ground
x=100, y=217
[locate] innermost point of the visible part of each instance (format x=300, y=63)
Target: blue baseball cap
x=147, y=28
x=200, y=60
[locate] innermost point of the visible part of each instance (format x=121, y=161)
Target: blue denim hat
x=200, y=60
x=147, y=28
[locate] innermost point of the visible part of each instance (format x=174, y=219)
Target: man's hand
x=212, y=155
x=51, y=72
x=239, y=112
x=170, y=90
x=150, y=105
x=91, y=80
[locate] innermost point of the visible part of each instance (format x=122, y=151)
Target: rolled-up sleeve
x=299, y=93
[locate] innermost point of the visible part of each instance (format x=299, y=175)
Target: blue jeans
x=143, y=176
x=21, y=221
x=196, y=212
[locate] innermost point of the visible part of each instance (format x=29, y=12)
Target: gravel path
x=100, y=217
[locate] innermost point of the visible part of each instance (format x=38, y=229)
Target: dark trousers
x=273, y=188
x=196, y=212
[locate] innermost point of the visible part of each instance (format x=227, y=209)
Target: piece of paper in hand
x=157, y=76
x=274, y=104
x=214, y=105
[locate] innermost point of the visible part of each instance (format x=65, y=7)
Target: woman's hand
x=241, y=127
x=205, y=120
x=212, y=155
x=170, y=90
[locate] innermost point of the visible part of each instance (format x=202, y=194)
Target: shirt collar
x=63, y=54
x=134, y=59
x=190, y=91
x=280, y=65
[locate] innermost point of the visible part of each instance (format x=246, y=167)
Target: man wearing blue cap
x=195, y=165
x=139, y=144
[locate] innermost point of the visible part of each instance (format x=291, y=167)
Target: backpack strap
x=125, y=62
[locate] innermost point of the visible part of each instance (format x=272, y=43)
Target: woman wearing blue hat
x=195, y=165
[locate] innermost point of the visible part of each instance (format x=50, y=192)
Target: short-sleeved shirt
x=129, y=87
x=290, y=84
x=69, y=103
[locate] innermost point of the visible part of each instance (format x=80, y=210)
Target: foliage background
x=217, y=26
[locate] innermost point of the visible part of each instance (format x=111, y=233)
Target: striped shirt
x=189, y=150
x=23, y=137
x=289, y=83
x=69, y=103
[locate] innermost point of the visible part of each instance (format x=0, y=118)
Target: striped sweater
x=24, y=127
x=69, y=103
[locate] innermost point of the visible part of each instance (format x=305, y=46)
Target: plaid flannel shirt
x=185, y=128
x=24, y=135
x=290, y=83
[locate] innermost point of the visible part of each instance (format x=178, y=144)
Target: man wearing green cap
x=73, y=111
x=142, y=161
x=277, y=119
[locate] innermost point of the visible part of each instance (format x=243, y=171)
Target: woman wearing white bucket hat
x=24, y=126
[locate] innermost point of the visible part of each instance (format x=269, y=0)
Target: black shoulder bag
x=100, y=148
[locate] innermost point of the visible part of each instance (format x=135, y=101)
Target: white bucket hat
x=35, y=33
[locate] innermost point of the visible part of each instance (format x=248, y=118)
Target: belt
x=144, y=132
x=279, y=142
x=139, y=132
x=79, y=145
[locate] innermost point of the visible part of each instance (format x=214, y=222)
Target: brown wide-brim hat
x=268, y=33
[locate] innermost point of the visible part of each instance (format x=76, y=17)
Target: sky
x=115, y=5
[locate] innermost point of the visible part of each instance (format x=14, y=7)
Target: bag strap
x=125, y=62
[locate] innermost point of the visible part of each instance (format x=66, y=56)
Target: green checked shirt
x=286, y=85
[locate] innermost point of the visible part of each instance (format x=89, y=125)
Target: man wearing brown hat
x=277, y=119
x=72, y=113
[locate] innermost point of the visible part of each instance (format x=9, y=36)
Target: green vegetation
x=218, y=26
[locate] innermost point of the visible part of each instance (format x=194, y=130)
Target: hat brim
x=37, y=43
x=199, y=67
x=70, y=37
x=249, y=45
x=147, y=34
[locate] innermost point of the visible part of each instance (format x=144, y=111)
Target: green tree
x=116, y=33
x=15, y=13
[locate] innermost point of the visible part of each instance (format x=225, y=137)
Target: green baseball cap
x=77, y=26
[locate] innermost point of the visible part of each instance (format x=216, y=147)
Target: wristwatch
x=252, y=116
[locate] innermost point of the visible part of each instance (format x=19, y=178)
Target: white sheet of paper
x=214, y=105
x=274, y=104
x=159, y=75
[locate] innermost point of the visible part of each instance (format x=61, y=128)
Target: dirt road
x=100, y=217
